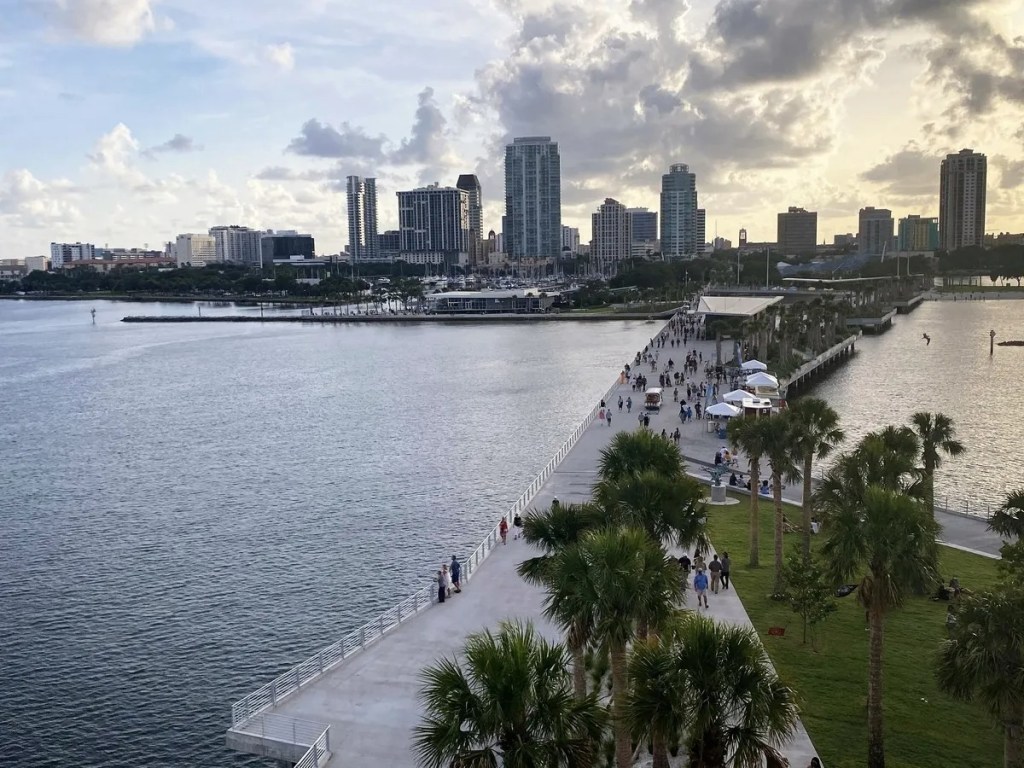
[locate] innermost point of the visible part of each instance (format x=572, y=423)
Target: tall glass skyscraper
x=682, y=223
x=533, y=198
x=363, y=242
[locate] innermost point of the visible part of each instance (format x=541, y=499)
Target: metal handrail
x=327, y=658
x=317, y=750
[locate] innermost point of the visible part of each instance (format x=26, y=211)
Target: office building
x=875, y=231
x=286, y=245
x=35, y=264
x=361, y=198
x=470, y=184
x=962, y=187
x=701, y=235
x=390, y=244
x=682, y=230
x=611, y=241
x=918, y=233
x=532, y=226
x=63, y=254
x=844, y=240
x=194, y=250
x=570, y=239
x=798, y=232
x=643, y=225
x=238, y=245
x=721, y=244
x=433, y=225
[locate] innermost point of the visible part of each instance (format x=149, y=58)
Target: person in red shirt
x=503, y=530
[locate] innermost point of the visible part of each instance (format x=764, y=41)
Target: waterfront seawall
x=407, y=319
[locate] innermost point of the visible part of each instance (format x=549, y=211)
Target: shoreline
x=408, y=319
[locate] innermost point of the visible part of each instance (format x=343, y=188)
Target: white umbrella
x=754, y=365
x=723, y=410
x=737, y=396
x=762, y=379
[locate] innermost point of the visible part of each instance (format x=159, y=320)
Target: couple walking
x=719, y=577
x=449, y=579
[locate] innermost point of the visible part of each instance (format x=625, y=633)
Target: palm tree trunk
x=623, y=741
x=755, y=517
x=876, y=744
x=779, y=531
x=579, y=672
x=808, y=463
x=1012, y=731
x=661, y=752
x=929, y=488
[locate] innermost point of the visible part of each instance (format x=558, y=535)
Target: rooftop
x=736, y=306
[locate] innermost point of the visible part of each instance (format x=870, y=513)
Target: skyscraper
x=919, y=233
x=875, y=230
x=533, y=198
x=470, y=184
x=433, y=223
x=363, y=244
x=680, y=220
x=798, y=232
x=570, y=239
x=962, y=180
x=611, y=241
x=643, y=225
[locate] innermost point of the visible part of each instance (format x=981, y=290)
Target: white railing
x=317, y=751
x=282, y=728
x=327, y=658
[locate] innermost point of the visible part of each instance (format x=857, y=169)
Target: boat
x=1013, y=343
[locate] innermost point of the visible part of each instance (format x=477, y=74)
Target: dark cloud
x=1011, y=172
x=322, y=140
x=178, y=143
x=426, y=143
x=910, y=172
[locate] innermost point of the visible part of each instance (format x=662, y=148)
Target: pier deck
x=370, y=700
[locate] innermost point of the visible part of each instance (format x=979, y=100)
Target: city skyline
x=197, y=121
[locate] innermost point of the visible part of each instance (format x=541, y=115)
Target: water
x=896, y=374
x=188, y=510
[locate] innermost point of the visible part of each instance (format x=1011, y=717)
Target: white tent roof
x=762, y=379
x=754, y=365
x=737, y=396
x=723, y=410
x=737, y=306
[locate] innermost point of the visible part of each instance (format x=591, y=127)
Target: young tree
x=748, y=434
x=937, y=436
x=510, y=703
x=810, y=594
x=816, y=434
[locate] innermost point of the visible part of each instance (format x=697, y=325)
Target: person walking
x=684, y=567
x=620, y=402
x=726, y=566
x=629, y=404
x=455, y=569
x=608, y=417
x=600, y=415
x=503, y=530
x=700, y=586
x=715, y=568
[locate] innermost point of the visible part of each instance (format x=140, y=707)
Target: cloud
x=281, y=56
x=105, y=22
x=115, y=154
x=427, y=144
x=280, y=173
x=178, y=143
x=323, y=140
x=26, y=201
x=909, y=172
x=1011, y=171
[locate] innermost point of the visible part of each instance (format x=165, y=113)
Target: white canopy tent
x=736, y=396
x=754, y=365
x=762, y=379
x=724, y=410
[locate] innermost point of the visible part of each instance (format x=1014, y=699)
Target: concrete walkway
x=371, y=701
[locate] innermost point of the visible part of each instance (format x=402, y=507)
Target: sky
x=126, y=122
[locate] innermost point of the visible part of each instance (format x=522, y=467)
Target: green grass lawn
x=923, y=727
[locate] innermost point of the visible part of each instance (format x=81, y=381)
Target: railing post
x=273, y=692
x=380, y=624
x=399, y=613
x=327, y=739
x=362, y=636
x=416, y=601
x=320, y=661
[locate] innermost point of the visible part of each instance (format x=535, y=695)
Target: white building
x=239, y=245
x=62, y=254
x=570, y=239
x=611, y=236
x=433, y=221
x=962, y=195
x=35, y=264
x=194, y=250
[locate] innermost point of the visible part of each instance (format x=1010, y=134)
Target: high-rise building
x=962, y=187
x=286, y=244
x=194, y=250
x=643, y=225
x=702, y=237
x=470, y=184
x=390, y=244
x=62, y=254
x=433, y=225
x=570, y=239
x=533, y=198
x=798, y=232
x=743, y=237
x=875, y=230
x=611, y=241
x=239, y=245
x=682, y=233
x=363, y=241
x=918, y=233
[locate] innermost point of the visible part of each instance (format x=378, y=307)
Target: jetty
x=355, y=701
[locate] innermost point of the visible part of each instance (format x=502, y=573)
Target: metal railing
x=327, y=658
x=317, y=751
x=282, y=728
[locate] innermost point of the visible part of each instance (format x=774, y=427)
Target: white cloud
x=281, y=56
x=106, y=22
x=26, y=201
x=115, y=154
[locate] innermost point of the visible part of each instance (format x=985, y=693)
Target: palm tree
x=937, y=436
x=616, y=579
x=817, y=432
x=733, y=709
x=637, y=451
x=748, y=435
x=1008, y=520
x=509, y=704
x=553, y=530
x=780, y=447
x=984, y=657
x=888, y=538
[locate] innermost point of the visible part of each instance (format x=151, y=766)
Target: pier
x=409, y=318
x=355, y=701
x=872, y=324
x=824, y=362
